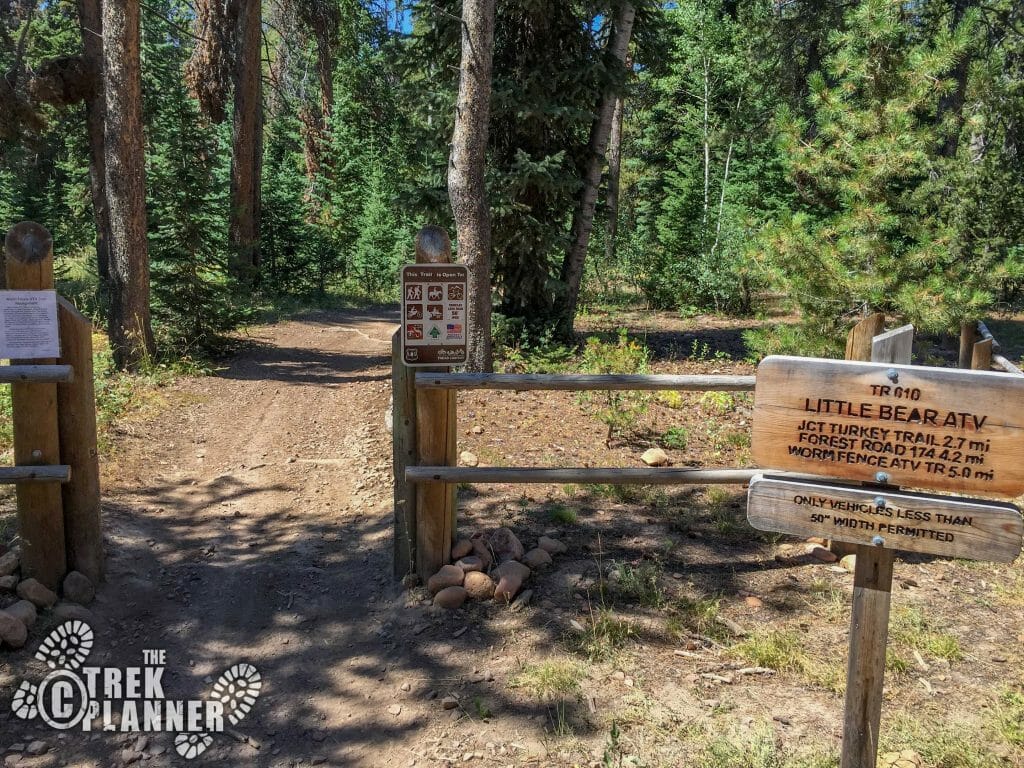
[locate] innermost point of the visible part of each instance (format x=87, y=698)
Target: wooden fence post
x=76, y=421
x=858, y=340
x=29, y=266
x=435, y=440
x=869, y=620
x=968, y=335
x=981, y=356
x=403, y=447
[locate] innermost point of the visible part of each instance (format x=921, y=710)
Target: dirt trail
x=251, y=522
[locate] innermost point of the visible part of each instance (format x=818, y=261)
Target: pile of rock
x=490, y=566
x=21, y=600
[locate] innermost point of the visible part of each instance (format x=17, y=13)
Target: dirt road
x=251, y=522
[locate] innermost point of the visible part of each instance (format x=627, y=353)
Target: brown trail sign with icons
x=935, y=428
x=936, y=525
x=434, y=330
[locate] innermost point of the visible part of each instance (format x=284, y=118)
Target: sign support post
x=869, y=619
x=435, y=428
x=29, y=266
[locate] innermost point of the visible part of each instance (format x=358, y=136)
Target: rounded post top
x=433, y=246
x=28, y=243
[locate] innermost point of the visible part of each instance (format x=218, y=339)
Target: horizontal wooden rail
x=581, y=382
x=50, y=473
x=583, y=475
x=36, y=374
x=998, y=360
x=1006, y=365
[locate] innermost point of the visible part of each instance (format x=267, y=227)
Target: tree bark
x=247, y=144
x=466, y=188
x=614, y=168
x=583, y=216
x=90, y=20
x=131, y=334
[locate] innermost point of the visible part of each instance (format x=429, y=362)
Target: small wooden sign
x=936, y=428
x=935, y=525
x=434, y=301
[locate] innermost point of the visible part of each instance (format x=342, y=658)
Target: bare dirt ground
x=251, y=521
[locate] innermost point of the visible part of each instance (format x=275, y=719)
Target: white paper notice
x=28, y=325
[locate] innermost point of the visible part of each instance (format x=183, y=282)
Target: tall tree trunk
x=466, y=188
x=90, y=19
x=614, y=168
x=706, y=140
x=247, y=144
x=131, y=335
x=583, y=216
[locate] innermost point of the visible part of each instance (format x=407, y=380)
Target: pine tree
x=193, y=298
x=869, y=235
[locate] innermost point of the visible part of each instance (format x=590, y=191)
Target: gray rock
x=551, y=546
x=461, y=548
x=448, y=576
x=13, y=631
x=65, y=611
x=8, y=583
x=468, y=459
x=506, y=545
x=38, y=748
x=40, y=596
x=450, y=597
x=25, y=611
x=9, y=563
x=449, y=702
x=78, y=588
x=471, y=563
x=482, y=550
x=536, y=558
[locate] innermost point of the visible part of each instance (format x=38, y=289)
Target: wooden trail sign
x=934, y=428
x=434, y=306
x=937, y=525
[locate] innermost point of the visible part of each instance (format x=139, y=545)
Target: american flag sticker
x=454, y=331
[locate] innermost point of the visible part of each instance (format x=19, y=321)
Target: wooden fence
x=56, y=468
x=425, y=438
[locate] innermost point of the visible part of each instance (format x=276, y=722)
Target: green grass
x=553, y=682
x=676, y=438
x=941, y=744
x=831, y=603
x=641, y=584
x=758, y=749
x=1010, y=717
x=909, y=627
x=480, y=709
x=549, y=679
x=603, y=635
x=6, y=425
x=717, y=403
x=778, y=649
x=562, y=515
x=696, y=615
